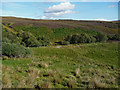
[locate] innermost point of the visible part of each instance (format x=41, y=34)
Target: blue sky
x=62, y=10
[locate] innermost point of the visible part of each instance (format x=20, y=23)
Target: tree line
x=17, y=45
x=86, y=38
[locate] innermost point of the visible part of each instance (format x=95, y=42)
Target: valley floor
x=92, y=65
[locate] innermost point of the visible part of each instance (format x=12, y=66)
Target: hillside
x=56, y=30
x=32, y=56
x=73, y=66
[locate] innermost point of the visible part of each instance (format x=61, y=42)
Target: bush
x=110, y=37
x=64, y=43
x=43, y=41
x=93, y=39
x=6, y=40
x=82, y=38
x=5, y=58
x=116, y=37
x=74, y=39
x=12, y=37
x=68, y=38
x=14, y=50
x=101, y=37
x=28, y=39
x=31, y=42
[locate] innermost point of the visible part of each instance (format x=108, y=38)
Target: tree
x=116, y=37
x=28, y=39
x=43, y=41
x=84, y=38
x=68, y=38
x=101, y=37
x=14, y=50
x=74, y=39
x=64, y=42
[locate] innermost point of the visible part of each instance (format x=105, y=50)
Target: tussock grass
x=70, y=66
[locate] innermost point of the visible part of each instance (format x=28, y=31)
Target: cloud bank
x=56, y=11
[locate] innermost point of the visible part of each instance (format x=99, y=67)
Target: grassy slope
x=11, y=30
x=59, y=63
x=56, y=30
x=55, y=66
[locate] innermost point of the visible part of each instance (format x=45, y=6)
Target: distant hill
x=58, y=29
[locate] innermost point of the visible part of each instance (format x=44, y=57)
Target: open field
x=34, y=58
x=57, y=29
x=72, y=66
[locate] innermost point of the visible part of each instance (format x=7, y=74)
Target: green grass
x=5, y=27
x=93, y=65
x=54, y=34
x=65, y=66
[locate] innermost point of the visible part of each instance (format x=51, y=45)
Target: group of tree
x=86, y=38
x=14, y=50
x=114, y=37
x=17, y=45
x=29, y=40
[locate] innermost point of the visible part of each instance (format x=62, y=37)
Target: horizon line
x=62, y=19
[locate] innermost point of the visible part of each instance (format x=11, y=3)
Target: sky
x=104, y=11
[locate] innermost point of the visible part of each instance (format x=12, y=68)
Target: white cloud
x=112, y=6
x=101, y=19
x=43, y=17
x=60, y=7
x=59, y=10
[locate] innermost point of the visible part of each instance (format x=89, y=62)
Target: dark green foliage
x=116, y=37
x=14, y=50
x=74, y=39
x=92, y=39
x=6, y=40
x=11, y=36
x=64, y=42
x=54, y=34
x=43, y=41
x=31, y=42
x=28, y=39
x=110, y=37
x=68, y=38
x=101, y=37
x=82, y=38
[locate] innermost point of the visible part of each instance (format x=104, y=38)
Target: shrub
x=14, y=50
x=12, y=37
x=74, y=39
x=31, y=42
x=64, y=43
x=93, y=39
x=101, y=37
x=6, y=40
x=110, y=37
x=43, y=41
x=116, y=37
x=68, y=38
x=4, y=57
x=28, y=39
x=84, y=38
